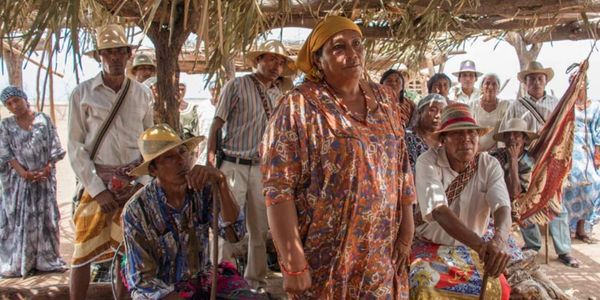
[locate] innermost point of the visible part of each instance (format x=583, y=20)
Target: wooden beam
x=573, y=31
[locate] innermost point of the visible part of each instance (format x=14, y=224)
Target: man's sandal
x=568, y=260
x=586, y=239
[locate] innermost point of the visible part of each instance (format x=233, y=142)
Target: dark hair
x=390, y=72
x=435, y=78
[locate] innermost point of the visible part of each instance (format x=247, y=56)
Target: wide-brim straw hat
x=458, y=116
x=467, y=66
x=515, y=125
x=107, y=37
x=156, y=141
x=535, y=67
x=272, y=47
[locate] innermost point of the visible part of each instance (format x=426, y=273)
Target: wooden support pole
x=547, y=237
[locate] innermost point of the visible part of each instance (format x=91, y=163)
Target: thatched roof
x=399, y=30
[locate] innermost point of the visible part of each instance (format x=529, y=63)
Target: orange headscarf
x=317, y=38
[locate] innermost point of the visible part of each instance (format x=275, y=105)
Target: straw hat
x=458, y=116
x=467, y=66
x=142, y=59
x=109, y=36
x=273, y=47
x=515, y=125
x=536, y=67
x=156, y=141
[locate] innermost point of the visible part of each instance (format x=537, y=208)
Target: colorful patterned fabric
x=450, y=272
x=167, y=248
x=407, y=108
x=28, y=210
x=582, y=194
x=97, y=234
x=348, y=178
x=416, y=146
x=552, y=152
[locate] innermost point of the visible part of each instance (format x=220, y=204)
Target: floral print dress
x=349, y=179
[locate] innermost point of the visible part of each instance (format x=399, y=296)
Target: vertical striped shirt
x=241, y=107
x=545, y=106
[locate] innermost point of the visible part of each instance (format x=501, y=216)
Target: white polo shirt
x=484, y=194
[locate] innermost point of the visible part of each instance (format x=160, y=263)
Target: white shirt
x=489, y=119
x=456, y=94
x=485, y=193
x=89, y=105
x=545, y=106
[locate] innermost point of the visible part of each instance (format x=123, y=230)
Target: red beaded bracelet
x=297, y=273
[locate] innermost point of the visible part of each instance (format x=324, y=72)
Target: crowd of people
x=367, y=190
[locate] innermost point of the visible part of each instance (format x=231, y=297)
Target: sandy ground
x=582, y=283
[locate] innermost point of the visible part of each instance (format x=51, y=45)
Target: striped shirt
x=545, y=106
x=241, y=107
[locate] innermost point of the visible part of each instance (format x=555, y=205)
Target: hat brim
x=94, y=53
x=481, y=130
x=288, y=70
x=547, y=71
x=478, y=74
x=142, y=169
x=499, y=137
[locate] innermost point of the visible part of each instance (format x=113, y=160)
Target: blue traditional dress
x=28, y=210
x=582, y=193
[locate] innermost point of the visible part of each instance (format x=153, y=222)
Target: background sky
x=490, y=56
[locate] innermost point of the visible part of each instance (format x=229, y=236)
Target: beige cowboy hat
x=157, y=140
x=467, y=66
x=273, y=47
x=515, y=125
x=107, y=37
x=458, y=116
x=535, y=67
x=140, y=59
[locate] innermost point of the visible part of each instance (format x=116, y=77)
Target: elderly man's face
x=114, y=60
x=536, y=84
x=467, y=79
x=461, y=145
x=172, y=166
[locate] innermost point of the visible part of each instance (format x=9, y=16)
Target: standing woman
x=395, y=80
x=29, y=148
x=439, y=83
x=582, y=194
x=489, y=110
x=336, y=175
x=420, y=137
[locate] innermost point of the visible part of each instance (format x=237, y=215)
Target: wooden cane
x=483, y=286
x=215, y=248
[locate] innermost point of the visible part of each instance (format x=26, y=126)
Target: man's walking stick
x=215, y=229
x=483, y=286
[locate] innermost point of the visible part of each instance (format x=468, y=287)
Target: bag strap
x=263, y=97
x=113, y=113
x=531, y=108
x=460, y=182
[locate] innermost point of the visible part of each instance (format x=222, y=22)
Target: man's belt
x=241, y=161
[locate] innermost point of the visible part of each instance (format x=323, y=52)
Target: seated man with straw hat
x=106, y=115
x=143, y=67
x=457, y=190
x=166, y=223
x=245, y=105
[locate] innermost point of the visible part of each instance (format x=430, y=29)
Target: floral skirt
x=450, y=272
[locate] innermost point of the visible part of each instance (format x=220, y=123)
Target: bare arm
x=229, y=208
x=212, y=141
x=456, y=229
x=513, y=182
